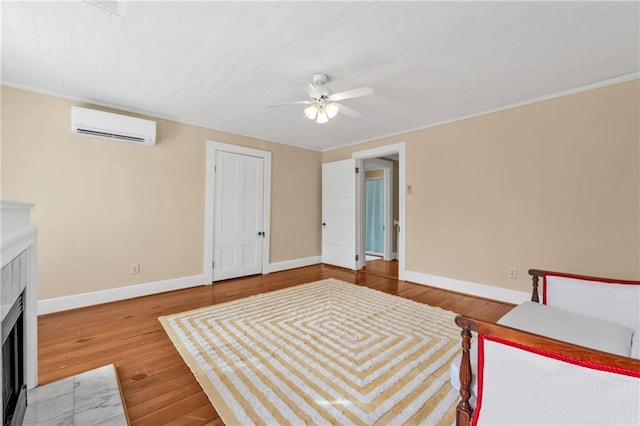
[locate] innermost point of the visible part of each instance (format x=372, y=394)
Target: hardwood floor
x=157, y=385
x=385, y=268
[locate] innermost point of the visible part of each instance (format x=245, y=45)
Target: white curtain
x=375, y=215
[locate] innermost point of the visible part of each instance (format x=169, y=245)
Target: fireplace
x=14, y=388
x=18, y=306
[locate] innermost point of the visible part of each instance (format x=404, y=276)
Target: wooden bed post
x=535, y=277
x=463, y=411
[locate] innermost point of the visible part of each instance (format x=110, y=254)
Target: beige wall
x=102, y=206
x=551, y=185
x=554, y=185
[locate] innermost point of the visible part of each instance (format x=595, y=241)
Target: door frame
x=209, y=237
x=382, y=151
x=387, y=168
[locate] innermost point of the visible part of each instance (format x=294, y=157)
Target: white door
x=238, y=216
x=339, y=213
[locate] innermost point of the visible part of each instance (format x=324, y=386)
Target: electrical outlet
x=135, y=268
x=512, y=273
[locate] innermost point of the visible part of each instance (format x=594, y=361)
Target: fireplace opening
x=14, y=389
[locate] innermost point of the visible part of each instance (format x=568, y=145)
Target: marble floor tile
x=90, y=398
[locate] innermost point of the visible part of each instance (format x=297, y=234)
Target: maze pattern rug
x=326, y=352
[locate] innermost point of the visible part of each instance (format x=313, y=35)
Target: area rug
x=327, y=352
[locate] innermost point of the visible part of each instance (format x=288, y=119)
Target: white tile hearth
x=91, y=398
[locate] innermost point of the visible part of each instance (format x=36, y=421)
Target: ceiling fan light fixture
x=323, y=104
x=322, y=117
x=331, y=110
x=311, y=111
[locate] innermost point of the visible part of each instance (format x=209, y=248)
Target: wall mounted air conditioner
x=100, y=124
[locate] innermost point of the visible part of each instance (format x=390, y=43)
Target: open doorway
x=380, y=212
x=375, y=215
x=379, y=193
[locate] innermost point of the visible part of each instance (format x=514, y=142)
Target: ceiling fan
x=323, y=104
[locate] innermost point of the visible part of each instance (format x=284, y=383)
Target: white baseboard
x=47, y=306
x=294, y=263
x=474, y=289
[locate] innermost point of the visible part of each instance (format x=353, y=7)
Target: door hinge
x=357, y=169
x=357, y=257
x=215, y=169
x=212, y=265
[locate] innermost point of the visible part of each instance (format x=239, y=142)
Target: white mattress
x=570, y=327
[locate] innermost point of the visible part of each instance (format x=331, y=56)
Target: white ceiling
x=216, y=64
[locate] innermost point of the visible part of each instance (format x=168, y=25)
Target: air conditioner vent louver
x=106, y=125
x=109, y=135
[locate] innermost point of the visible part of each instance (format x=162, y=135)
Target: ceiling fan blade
x=347, y=111
x=310, y=89
x=353, y=93
x=289, y=103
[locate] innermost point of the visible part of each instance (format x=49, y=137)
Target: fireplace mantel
x=18, y=261
x=18, y=232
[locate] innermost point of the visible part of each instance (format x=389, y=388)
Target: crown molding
x=584, y=88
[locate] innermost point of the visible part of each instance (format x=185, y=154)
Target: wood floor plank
x=196, y=417
x=157, y=386
x=174, y=412
x=151, y=392
x=151, y=408
x=382, y=267
x=162, y=370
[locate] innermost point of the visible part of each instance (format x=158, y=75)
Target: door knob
x=324, y=224
x=260, y=233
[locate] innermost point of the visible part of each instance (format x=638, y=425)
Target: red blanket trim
x=480, y=380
